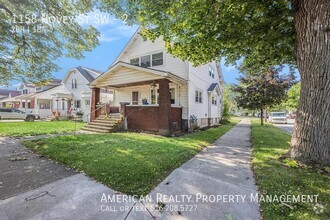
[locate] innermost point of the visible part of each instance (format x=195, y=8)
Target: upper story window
x=211, y=72
x=25, y=91
x=74, y=83
x=145, y=61
x=157, y=59
x=150, y=60
x=135, y=61
x=198, y=96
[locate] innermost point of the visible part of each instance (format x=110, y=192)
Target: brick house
x=154, y=91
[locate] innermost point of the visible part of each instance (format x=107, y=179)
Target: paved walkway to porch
x=221, y=170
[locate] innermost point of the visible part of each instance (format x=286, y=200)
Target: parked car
x=12, y=113
x=278, y=117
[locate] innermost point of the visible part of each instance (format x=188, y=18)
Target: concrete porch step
x=107, y=120
x=102, y=123
x=96, y=130
x=99, y=127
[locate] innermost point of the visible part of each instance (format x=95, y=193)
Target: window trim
x=150, y=57
x=200, y=96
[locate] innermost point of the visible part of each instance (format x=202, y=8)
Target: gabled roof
x=213, y=86
x=127, y=46
x=85, y=72
x=158, y=73
x=5, y=92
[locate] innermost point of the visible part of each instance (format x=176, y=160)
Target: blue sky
x=114, y=36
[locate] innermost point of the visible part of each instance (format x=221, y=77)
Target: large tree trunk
x=311, y=137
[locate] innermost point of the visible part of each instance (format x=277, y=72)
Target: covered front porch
x=147, y=99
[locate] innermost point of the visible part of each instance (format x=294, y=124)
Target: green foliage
x=229, y=103
x=261, y=32
x=28, y=53
x=257, y=91
x=131, y=163
x=275, y=176
x=293, y=97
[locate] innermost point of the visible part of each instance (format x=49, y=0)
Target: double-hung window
x=211, y=72
x=198, y=96
x=214, y=100
x=74, y=83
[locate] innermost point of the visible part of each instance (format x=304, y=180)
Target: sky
x=114, y=36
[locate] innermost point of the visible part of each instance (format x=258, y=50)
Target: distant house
x=61, y=97
x=156, y=92
x=7, y=98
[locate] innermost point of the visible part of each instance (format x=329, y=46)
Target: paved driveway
x=21, y=170
x=287, y=127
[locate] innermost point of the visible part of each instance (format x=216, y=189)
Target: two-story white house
x=156, y=92
x=71, y=94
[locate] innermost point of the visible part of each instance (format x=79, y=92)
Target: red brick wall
x=142, y=118
x=147, y=118
x=176, y=116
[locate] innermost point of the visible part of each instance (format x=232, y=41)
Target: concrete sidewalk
x=221, y=172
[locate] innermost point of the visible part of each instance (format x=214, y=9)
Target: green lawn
x=131, y=163
x=16, y=129
x=275, y=176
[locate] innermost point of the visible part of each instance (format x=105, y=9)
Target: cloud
x=230, y=68
x=111, y=29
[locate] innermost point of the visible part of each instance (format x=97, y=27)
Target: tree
x=228, y=101
x=258, y=91
x=32, y=41
x=293, y=97
x=264, y=33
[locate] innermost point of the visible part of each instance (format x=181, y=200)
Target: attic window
x=157, y=59
x=135, y=61
x=74, y=84
x=211, y=72
x=145, y=61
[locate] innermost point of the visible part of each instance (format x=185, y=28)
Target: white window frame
x=214, y=99
x=200, y=96
x=211, y=71
x=150, y=56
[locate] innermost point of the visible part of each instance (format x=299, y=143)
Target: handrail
x=95, y=110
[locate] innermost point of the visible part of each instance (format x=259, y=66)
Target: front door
x=135, y=98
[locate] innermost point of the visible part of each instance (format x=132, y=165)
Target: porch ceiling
x=124, y=74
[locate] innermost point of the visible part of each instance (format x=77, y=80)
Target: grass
x=17, y=129
x=275, y=176
x=131, y=163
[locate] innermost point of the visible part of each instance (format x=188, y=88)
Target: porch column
x=164, y=107
x=94, y=101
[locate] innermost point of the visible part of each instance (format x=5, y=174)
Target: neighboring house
x=157, y=92
x=7, y=98
x=70, y=95
x=29, y=91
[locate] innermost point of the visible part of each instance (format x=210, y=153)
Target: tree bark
x=310, y=142
x=262, y=116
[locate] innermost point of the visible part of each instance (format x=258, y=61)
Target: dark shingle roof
x=85, y=73
x=5, y=92
x=212, y=87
